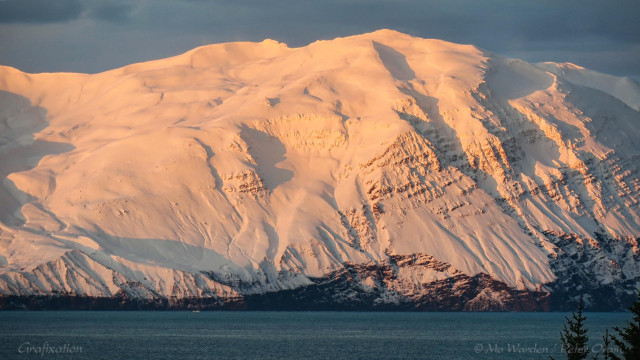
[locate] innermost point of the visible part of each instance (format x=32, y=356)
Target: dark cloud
x=570, y=19
x=57, y=11
x=111, y=12
x=39, y=11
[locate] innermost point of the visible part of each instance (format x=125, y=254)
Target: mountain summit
x=378, y=171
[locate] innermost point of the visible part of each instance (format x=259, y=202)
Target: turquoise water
x=288, y=335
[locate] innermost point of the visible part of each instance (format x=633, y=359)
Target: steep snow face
x=624, y=89
x=246, y=168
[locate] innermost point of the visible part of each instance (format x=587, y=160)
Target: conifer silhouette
x=574, y=335
x=628, y=338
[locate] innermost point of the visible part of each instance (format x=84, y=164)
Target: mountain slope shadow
x=395, y=62
x=174, y=254
x=268, y=151
x=20, y=150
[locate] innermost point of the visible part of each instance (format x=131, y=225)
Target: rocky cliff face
x=378, y=171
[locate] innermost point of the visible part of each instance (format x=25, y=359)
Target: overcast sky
x=97, y=35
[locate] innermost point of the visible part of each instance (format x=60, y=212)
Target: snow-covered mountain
x=378, y=171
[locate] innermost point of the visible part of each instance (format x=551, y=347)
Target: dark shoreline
x=265, y=302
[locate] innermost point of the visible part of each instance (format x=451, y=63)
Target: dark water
x=288, y=335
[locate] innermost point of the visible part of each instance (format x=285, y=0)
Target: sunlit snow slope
x=382, y=169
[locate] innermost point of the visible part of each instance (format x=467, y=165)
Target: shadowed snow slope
x=242, y=169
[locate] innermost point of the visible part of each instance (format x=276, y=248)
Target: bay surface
x=288, y=335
